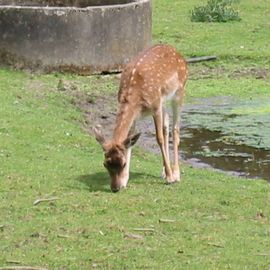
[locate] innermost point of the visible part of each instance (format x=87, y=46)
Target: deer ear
x=99, y=136
x=131, y=140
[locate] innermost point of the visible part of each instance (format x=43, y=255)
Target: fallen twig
x=164, y=220
x=263, y=254
x=63, y=236
x=200, y=59
x=13, y=262
x=133, y=236
x=144, y=229
x=36, y=202
x=215, y=245
x=21, y=268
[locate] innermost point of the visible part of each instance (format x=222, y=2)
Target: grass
x=238, y=45
x=245, y=88
x=220, y=222
x=245, y=39
x=44, y=153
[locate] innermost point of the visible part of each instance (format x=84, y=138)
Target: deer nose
x=115, y=189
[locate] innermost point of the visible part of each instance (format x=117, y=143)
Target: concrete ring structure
x=82, y=36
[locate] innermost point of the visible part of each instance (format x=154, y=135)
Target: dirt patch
x=101, y=111
x=257, y=73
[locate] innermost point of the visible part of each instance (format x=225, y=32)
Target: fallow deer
x=156, y=75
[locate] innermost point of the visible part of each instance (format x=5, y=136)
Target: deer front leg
x=176, y=139
x=166, y=137
x=158, y=119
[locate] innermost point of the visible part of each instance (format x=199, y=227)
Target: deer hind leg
x=176, y=138
x=158, y=119
x=166, y=138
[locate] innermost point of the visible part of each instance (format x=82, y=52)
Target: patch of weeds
x=215, y=11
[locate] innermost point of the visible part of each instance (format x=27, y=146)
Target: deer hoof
x=176, y=177
x=171, y=182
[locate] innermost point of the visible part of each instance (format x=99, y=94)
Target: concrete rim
x=133, y=3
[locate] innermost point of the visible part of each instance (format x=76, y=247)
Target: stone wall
x=83, y=40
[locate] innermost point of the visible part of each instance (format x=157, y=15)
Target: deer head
x=117, y=158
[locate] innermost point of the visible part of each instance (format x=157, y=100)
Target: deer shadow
x=100, y=181
x=96, y=181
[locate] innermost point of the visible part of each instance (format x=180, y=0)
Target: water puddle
x=205, y=148
x=228, y=135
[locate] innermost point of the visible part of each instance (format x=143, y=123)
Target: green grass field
x=209, y=221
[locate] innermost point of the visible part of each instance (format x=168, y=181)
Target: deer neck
x=124, y=120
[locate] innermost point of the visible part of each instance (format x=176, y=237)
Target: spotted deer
x=155, y=76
